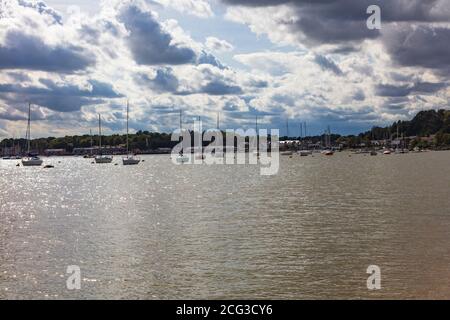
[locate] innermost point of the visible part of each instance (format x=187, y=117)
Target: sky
x=283, y=61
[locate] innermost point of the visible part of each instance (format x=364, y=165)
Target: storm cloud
x=23, y=51
x=344, y=21
x=149, y=43
x=164, y=81
x=420, y=46
x=62, y=98
x=389, y=90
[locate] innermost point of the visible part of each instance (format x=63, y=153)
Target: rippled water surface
x=160, y=231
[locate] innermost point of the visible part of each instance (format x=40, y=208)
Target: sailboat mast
x=29, y=129
x=100, y=133
x=92, y=143
x=257, y=136
x=128, y=110
x=287, y=128
x=218, y=120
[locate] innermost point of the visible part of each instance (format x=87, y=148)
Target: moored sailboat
x=101, y=159
x=182, y=158
x=30, y=161
x=129, y=159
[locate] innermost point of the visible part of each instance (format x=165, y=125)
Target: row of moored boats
x=36, y=161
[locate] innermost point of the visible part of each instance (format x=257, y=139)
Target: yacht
x=328, y=151
x=305, y=153
x=101, y=159
x=182, y=158
x=130, y=159
x=30, y=161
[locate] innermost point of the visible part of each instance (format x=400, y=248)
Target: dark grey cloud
x=396, y=105
x=12, y=114
x=149, y=43
x=420, y=46
x=326, y=114
x=344, y=50
x=389, y=90
x=393, y=10
x=66, y=98
x=220, y=87
x=164, y=81
x=344, y=21
x=258, y=83
x=411, y=42
x=328, y=64
x=23, y=51
x=216, y=87
x=216, y=84
x=333, y=31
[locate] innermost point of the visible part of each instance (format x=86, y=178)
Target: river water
x=160, y=231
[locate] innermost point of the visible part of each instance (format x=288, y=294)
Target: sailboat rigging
x=101, y=158
x=181, y=158
x=129, y=159
x=30, y=161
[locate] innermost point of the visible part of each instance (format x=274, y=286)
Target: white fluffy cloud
x=199, y=8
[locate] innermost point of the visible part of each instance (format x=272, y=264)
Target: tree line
x=424, y=124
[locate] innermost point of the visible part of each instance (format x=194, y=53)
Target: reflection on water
x=159, y=231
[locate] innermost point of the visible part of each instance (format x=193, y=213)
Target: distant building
x=430, y=139
x=55, y=152
x=96, y=151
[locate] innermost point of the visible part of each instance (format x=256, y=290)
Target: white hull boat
x=129, y=161
x=103, y=159
x=328, y=152
x=183, y=159
x=32, y=162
